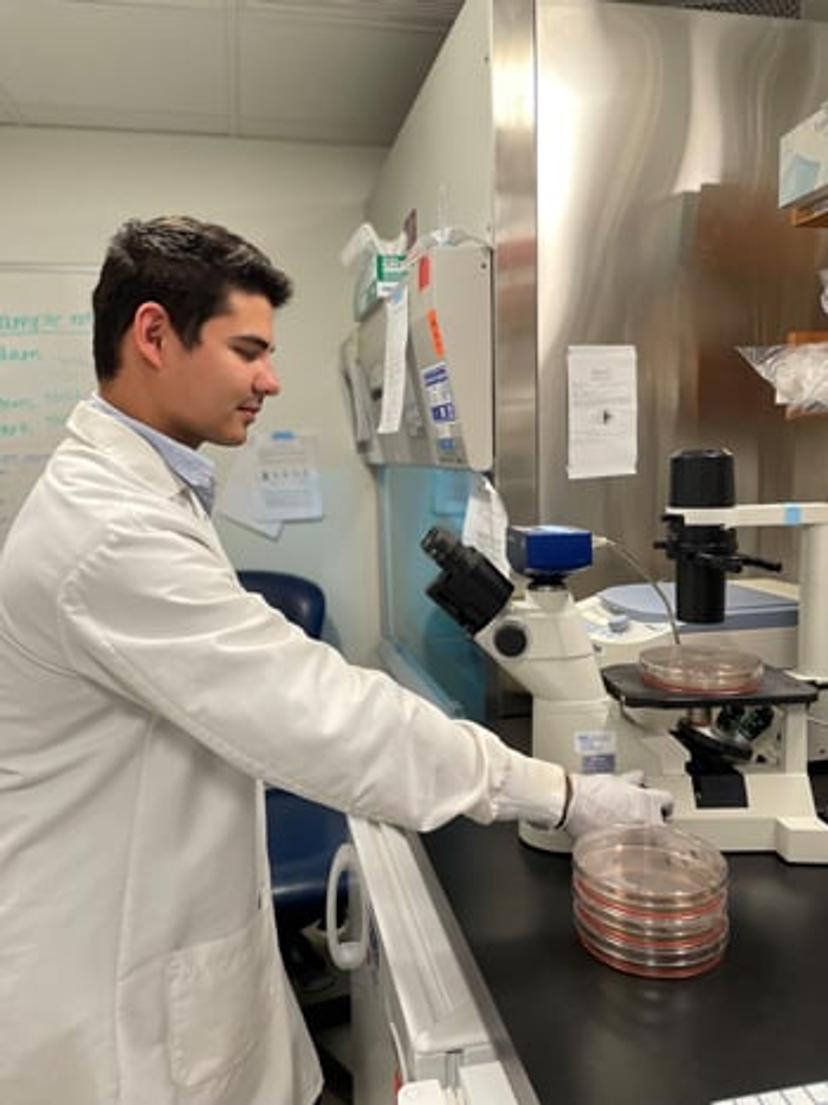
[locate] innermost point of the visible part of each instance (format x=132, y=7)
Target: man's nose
x=267, y=382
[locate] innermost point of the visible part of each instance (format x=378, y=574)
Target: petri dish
x=650, y=900
x=651, y=866
x=660, y=924
x=688, y=669
x=667, y=945
x=649, y=969
x=654, y=957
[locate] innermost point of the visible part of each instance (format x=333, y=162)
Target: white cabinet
x=413, y=1015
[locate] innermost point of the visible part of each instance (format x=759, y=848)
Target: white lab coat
x=144, y=696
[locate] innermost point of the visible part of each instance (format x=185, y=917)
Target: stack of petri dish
x=650, y=900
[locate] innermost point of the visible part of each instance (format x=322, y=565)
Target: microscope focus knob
x=510, y=639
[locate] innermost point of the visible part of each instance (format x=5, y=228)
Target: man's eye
x=247, y=354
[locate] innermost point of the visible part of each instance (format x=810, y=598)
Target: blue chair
x=299, y=599
x=302, y=836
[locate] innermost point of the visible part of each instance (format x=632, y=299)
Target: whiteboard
x=45, y=367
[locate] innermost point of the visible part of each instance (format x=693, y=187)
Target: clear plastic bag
x=799, y=373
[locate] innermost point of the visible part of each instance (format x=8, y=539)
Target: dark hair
x=187, y=266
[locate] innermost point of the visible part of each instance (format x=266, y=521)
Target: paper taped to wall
x=602, y=411
x=275, y=479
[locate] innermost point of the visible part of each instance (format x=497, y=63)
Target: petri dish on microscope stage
x=650, y=900
x=687, y=669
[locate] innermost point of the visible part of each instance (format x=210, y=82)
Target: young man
x=144, y=699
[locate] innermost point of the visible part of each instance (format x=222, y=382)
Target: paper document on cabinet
x=275, y=479
x=393, y=380
x=360, y=399
x=485, y=524
x=603, y=411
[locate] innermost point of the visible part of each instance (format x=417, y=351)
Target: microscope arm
x=542, y=642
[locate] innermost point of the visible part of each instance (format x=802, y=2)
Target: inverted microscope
x=723, y=731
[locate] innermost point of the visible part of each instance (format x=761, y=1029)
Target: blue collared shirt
x=198, y=472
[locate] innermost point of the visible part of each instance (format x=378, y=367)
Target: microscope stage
x=777, y=688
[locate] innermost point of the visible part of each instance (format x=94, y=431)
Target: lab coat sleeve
x=152, y=614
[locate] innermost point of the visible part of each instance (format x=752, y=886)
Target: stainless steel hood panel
x=657, y=149
x=515, y=282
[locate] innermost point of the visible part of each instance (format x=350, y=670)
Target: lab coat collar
x=195, y=469
x=100, y=431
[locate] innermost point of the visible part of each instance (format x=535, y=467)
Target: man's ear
x=150, y=328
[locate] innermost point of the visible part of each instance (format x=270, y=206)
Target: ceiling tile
x=350, y=84
x=90, y=56
x=408, y=14
x=342, y=71
x=121, y=118
x=340, y=132
x=9, y=111
x=193, y=5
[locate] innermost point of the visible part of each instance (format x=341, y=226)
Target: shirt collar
x=198, y=472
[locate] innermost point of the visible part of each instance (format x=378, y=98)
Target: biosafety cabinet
x=620, y=162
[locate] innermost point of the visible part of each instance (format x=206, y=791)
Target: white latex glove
x=601, y=800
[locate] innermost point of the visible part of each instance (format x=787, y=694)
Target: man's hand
x=598, y=801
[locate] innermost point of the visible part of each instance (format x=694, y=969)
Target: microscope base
x=775, y=810
x=779, y=817
x=797, y=835
x=548, y=840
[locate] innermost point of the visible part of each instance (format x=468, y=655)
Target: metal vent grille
x=780, y=9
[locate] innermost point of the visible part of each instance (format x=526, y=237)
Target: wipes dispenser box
x=379, y=265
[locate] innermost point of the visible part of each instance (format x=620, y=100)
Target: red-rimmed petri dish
x=648, y=969
x=687, y=669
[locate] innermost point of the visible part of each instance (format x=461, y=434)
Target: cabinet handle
x=347, y=955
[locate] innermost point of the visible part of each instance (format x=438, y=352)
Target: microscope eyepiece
x=469, y=588
x=441, y=545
